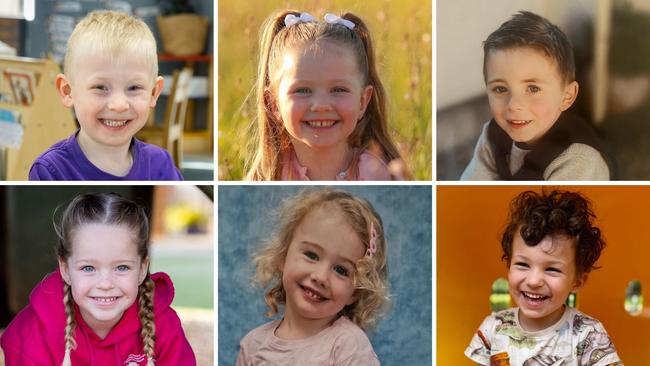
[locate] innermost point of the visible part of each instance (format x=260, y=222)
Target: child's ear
x=352, y=300
x=570, y=95
x=64, y=88
x=144, y=269
x=63, y=268
x=157, y=89
x=366, y=95
x=580, y=281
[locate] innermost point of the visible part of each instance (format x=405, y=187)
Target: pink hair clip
x=372, y=243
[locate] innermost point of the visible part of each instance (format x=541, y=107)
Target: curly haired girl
x=327, y=267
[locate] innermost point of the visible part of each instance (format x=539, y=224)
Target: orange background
x=470, y=220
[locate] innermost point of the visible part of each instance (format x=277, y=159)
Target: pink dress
x=365, y=166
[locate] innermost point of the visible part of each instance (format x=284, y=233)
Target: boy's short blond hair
x=114, y=34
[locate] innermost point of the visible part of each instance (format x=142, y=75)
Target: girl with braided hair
x=102, y=307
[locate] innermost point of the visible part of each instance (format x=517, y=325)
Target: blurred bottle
x=500, y=359
x=500, y=297
x=633, y=298
x=572, y=300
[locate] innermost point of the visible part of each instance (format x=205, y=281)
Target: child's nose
x=319, y=275
x=118, y=102
x=515, y=103
x=534, y=279
x=321, y=103
x=105, y=282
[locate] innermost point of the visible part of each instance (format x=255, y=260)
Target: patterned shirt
x=575, y=340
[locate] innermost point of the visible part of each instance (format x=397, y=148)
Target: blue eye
x=341, y=270
x=311, y=255
x=123, y=268
x=87, y=269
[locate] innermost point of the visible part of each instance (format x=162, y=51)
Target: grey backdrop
x=246, y=219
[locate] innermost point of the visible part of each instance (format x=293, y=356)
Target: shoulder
x=594, y=345
x=25, y=341
x=49, y=164
x=578, y=162
x=155, y=162
x=482, y=166
x=253, y=339
x=486, y=338
x=351, y=344
x=372, y=167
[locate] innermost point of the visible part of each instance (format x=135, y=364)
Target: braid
x=145, y=295
x=70, y=343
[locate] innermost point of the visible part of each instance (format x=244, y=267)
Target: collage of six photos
x=178, y=226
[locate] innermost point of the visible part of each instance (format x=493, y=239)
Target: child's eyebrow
x=496, y=81
x=550, y=263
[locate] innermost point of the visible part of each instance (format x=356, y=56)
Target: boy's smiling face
x=526, y=92
x=541, y=278
x=111, y=97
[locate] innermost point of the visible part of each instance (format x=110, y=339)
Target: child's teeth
x=114, y=123
x=106, y=299
x=320, y=123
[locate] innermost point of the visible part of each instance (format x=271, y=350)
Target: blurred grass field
x=401, y=31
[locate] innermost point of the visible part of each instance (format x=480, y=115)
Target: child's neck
x=324, y=163
x=115, y=160
x=292, y=328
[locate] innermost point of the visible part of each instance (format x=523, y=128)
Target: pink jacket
x=36, y=335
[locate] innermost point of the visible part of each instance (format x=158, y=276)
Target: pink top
x=341, y=344
x=364, y=166
x=36, y=335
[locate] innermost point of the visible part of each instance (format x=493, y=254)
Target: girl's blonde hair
x=272, y=139
x=111, y=209
x=111, y=33
x=371, y=272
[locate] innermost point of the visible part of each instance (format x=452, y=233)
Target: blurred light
x=29, y=10
x=500, y=297
x=633, y=298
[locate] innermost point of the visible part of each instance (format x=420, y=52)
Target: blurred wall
x=246, y=219
x=463, y=25
x=470, y=220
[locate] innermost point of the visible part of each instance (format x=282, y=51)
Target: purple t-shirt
x=65, y=161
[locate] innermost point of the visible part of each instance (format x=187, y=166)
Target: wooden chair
x=170, y=135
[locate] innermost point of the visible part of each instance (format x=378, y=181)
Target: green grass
x=401, y=32
x=192, y=277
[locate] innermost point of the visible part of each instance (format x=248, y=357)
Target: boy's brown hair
x=526, y=29
x=536, y=215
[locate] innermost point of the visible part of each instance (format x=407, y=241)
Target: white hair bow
x=333, y=19
x=291, y=19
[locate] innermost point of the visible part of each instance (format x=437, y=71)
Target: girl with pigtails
x=321, y=107
x=102, y=307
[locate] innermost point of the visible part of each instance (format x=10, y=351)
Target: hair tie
x=291, y=19
x=334, y=19
x=372, y=242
